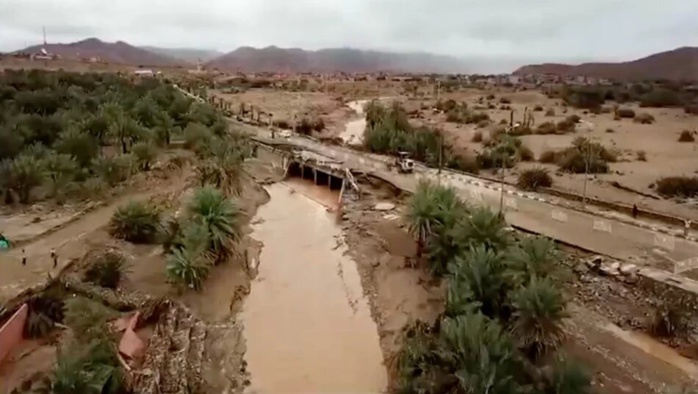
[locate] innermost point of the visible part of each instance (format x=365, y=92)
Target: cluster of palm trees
x=207, y=233
x=503, y=313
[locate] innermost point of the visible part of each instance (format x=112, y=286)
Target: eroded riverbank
x=307, y=325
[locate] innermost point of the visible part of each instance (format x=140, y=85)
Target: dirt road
x=69, y=242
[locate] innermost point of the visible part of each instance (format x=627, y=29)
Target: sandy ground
x=285, y=105
x=665, y=155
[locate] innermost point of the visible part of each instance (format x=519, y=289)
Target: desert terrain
x=228, y=258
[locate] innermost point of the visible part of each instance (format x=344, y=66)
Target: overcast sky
x=544, y=30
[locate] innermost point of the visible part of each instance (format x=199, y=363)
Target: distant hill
x=678, y=64
x=189, y=55
x=117, y=52
x=274, y=59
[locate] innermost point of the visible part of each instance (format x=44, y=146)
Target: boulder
x=628, y=269
x=384, y=206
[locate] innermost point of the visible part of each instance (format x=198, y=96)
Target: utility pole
x=504, y=159
x=44, y=30
x=589, y=153
x=441, y=154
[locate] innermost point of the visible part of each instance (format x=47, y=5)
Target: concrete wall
x=277, y=157
x=669, y=289
x=11, y=332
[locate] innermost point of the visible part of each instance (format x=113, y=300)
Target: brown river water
x=308, y=327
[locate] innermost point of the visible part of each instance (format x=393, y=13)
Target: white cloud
x=531, y=29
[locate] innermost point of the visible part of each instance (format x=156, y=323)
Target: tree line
x=64, y=133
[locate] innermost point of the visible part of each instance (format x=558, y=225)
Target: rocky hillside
x=678, y=64
x=116, y=52
x=274, y=59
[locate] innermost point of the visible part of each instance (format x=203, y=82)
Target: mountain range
x=110, y=52
x=335, y=59
x=677, y=64
x=189, y=55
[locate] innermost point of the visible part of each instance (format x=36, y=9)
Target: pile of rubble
x=627, y=270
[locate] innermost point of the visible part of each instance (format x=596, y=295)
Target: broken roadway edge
x=616, y=244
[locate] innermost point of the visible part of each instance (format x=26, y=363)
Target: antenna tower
x=44, y=29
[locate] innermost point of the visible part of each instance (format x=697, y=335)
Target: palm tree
x=479, y=277
x=422, y=214
x=21, y=175
x=484, y=227
x=189, y=265
x=570, y=378
x=533, y=257
x=480, y=354
x=223, y=168
x=95, y=370
x=136, y=222
x=431, y=206
x=219, y=216
x=537, y=318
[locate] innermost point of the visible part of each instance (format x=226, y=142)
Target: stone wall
x=669, y=289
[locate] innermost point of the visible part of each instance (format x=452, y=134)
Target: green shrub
x=567, y=126
x=644, y=118
x=538, y=108
x=145, y=154
x=546, y=128
x=534, y=178
x=87, y=318
x=307, y=125
x=524, y=153
x=463, y=163
x=691, y=109
x=550, y=112
x=136, y=222
x=197, y=136
x=477, y=136
x=504, y=100
x=282, y=124
x=188, y=266
x=572, y=160
x=583, y=155
x=548, y=157
x=686, y=136
x=107, y=270
x=641, y=155
x=625, y=113
x=610, y=130
x=114, y=170
x=677, y=186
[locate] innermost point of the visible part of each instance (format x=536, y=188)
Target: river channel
x=308, y=327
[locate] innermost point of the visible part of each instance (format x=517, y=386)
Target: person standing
x=635, y=211
x=54, y=257
x=24, y=257
x=687, y=227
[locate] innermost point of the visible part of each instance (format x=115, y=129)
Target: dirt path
x=69, y=243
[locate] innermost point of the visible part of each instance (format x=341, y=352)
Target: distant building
x=144, y=73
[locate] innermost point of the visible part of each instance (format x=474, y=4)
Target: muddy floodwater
x=354, y=130
x=308, y=328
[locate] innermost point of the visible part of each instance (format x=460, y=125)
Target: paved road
x=532, y=212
